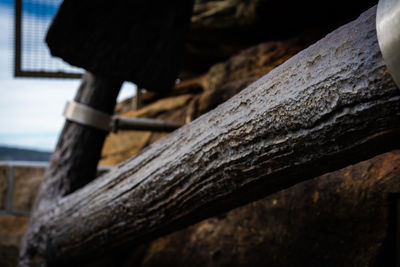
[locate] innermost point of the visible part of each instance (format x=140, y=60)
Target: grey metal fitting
x=388, y=31
x=88, y=116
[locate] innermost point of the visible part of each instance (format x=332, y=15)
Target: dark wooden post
x=74, y=162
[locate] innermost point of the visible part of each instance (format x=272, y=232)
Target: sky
x=31, y=108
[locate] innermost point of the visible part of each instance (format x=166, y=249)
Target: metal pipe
x=140, y=124
x=88, y=116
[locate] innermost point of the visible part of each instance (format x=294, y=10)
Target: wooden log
x=74, y=162
x=331, y=105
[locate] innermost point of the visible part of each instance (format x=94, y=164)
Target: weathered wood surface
x=139, y=41
x=330, y=105
x=74, y=162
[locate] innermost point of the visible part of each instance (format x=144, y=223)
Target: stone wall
x=19, y=182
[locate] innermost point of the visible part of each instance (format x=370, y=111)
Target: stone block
x=27, y=180
x=4, y=175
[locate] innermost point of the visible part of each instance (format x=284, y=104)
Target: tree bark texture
x=74, y=162
x=331, y=105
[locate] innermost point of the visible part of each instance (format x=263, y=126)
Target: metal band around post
x=388, y=31
x=88, y=116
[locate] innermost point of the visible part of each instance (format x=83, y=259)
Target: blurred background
x=31, y=107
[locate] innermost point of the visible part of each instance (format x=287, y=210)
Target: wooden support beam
x=331, y=105
x=78, y=151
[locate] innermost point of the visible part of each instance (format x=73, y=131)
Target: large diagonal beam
x=331, y=105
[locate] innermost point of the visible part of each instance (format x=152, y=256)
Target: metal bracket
x=388, y=31
x=139, y=124
x=88, y=116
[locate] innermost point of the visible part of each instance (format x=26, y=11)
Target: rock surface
x=221, y=28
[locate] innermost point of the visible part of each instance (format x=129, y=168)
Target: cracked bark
x=331, y=105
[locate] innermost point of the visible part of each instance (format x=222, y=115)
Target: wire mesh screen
x=32, y=57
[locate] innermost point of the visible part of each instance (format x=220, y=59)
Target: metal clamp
x=388, y=31
x=88, y=116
